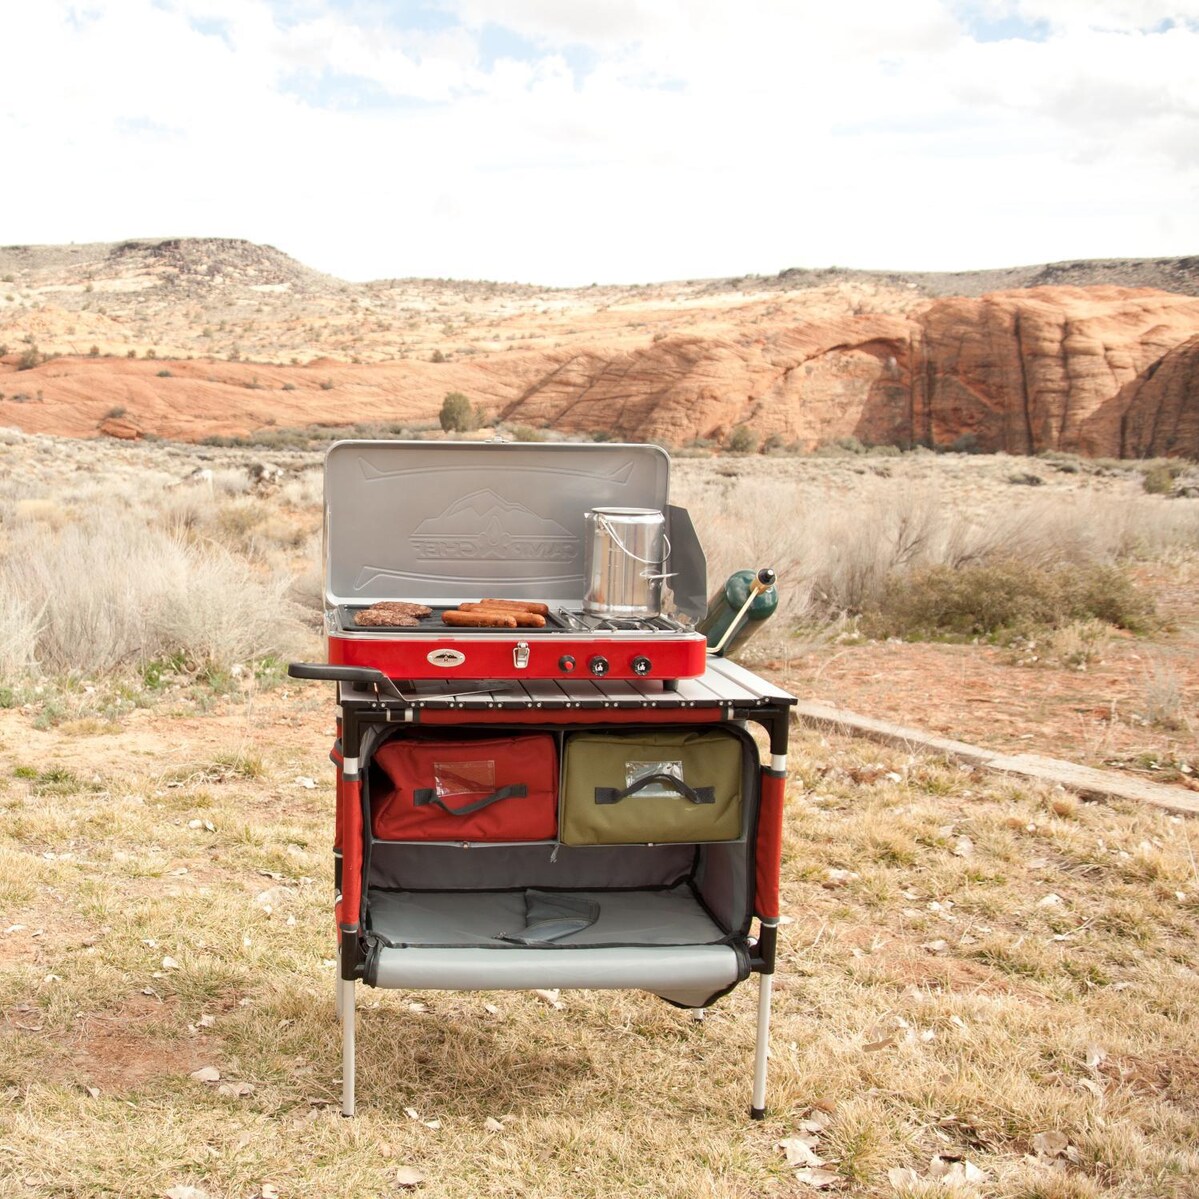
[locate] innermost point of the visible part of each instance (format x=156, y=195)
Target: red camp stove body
x=443, y=523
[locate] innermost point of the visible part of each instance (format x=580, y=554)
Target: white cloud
x=696, y=138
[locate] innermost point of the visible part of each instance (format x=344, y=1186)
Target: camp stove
x=446, y=523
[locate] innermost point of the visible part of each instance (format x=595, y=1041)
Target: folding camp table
x=675, y=920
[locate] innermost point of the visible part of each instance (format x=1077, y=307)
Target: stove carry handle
x=365, y=675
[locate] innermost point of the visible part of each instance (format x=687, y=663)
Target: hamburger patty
x=393, y=613
x=373, y=618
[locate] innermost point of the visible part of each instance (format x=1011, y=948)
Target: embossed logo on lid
x=484, y=526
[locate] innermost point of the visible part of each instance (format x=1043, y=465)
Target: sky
x=566, y=142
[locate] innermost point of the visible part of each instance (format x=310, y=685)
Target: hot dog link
x=518, y=605
x=479, y=619
x=524, y=620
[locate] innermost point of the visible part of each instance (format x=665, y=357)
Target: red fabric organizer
x=476, y=789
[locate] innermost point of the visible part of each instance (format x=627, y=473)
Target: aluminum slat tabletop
x=724, y=685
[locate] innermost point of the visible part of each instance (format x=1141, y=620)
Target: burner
x=622, y=624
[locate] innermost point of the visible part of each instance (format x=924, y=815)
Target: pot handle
x=607, y=527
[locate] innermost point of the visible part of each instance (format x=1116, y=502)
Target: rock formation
x=193, y=337
x=1022, y=372
x=1158, y=412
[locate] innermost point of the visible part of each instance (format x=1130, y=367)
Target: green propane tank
x=726, y=626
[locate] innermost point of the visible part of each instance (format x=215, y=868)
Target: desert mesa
x=190, y=338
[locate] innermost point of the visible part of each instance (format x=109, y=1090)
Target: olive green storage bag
x=663, y=787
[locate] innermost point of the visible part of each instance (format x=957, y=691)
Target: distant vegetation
x=456, y=415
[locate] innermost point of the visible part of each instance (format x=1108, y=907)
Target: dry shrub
x=1005, y=596
x=1163, y=699
x=1079, y=644
x=20, y=621
x=112, y=592
x=839, y=543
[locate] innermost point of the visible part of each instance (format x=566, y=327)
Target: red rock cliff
x=1099, y=370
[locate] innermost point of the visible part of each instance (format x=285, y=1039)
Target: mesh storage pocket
x=662, y=787
x=466, y=789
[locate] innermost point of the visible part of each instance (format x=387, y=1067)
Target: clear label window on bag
x=463, y=778
x=635, y=771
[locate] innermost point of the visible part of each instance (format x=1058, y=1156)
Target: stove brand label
x=484, y=526
x=446, y=658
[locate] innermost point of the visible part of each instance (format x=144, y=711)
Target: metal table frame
x=726, y=693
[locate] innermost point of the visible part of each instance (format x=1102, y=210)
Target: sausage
x=478, y=619
x=520, y=605
x=524, y=620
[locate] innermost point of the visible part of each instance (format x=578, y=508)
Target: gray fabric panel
x=721, y=881
x=422, y=866
x=692, y=971
x=661, y=918
x=444, y=918
x=553, y=916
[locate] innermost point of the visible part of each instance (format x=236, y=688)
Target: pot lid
x=440, y=521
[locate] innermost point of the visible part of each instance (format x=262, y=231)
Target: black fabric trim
x=683, y=879
x=501, y=946
x=742, y=953
x=751, y=795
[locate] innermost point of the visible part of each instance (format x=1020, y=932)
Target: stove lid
x=437, y=520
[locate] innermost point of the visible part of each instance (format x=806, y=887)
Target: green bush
x=742, y=440
x=1005, y=598
x=527, y=433
x=1158, y=480
x=456, y=415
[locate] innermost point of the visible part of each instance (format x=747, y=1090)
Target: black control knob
x=598, y=665
x=642, y=665
x=566, y=663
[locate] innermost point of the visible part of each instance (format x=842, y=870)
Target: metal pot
x=623, y=551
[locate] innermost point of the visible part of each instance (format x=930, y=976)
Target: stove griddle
x=559, y=620
x=433, y=624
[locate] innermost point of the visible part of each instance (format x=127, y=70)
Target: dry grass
x=839, y=532
x=111, y=592
x=112, y=563
x=928, y=1003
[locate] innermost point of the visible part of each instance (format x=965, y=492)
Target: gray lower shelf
x=661, y=941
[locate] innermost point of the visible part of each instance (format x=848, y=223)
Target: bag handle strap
x=697, y=795
x=425, y=796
